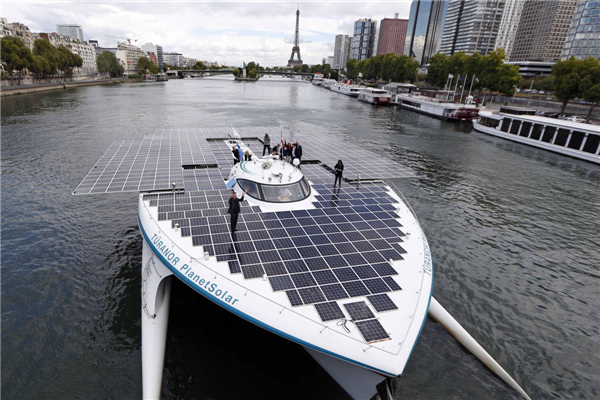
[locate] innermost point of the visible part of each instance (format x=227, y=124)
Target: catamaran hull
x=359, y=383
x=154, y=326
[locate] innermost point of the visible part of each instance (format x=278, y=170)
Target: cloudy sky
x=215, y=31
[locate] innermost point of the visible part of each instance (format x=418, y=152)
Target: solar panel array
x=157, y=161
x=339, y=250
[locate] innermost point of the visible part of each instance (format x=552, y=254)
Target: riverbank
x=23, y=89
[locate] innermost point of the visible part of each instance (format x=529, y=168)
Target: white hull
x=358, y=382
x=343, y=90
x=155, y=290
x=423, y=105
x=595, y=158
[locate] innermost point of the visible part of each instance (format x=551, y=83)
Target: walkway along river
x=513, y=231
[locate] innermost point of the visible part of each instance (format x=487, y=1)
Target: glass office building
x=583, y=40
x=363, y=43
x=425, y=27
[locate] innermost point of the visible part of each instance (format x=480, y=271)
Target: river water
x=514, y=233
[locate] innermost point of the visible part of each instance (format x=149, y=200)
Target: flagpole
x=471, y=87
x=463, y=91
x=455, y=86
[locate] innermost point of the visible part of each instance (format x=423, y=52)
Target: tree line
x=45, y=61
x=386, y=67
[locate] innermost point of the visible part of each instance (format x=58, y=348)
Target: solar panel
x=359, y=311
x=356, y=288
x=294, y=297
x=334, y=292
x=253, y=271
x=371, y=330
x=329, y=311
x=311, y=295
x=382, y=302
x=281, y=283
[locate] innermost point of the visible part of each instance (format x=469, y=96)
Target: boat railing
x=321, y=326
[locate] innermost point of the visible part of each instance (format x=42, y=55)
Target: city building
x=341, y=52
x=583, y=39
x=425, y=28
x=509, y=25
x=158, y=50
x=174, y=59
x=83, y=49
x=129, y=55
x=21, y=31
x=471, y=26
x=94, y=43
x=363, y=43
x=533, y=69
x=542, y=30
x=392, y=36
x=72, y=30
x=329, y=61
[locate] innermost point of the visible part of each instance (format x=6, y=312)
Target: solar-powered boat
x=346, y=272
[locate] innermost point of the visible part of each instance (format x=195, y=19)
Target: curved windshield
x=276, y=193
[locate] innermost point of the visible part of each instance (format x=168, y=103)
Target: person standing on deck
x=339, y=169
x=284, y=152
x=298, y=152
x=236, y=155
x=266, y=144
x=234, y=209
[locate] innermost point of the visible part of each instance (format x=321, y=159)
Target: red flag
x=282, y=144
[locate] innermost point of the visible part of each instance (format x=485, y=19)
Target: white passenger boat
x=327, y=83
x=345, y=273
x=346, y=88
x=374, y=96
x=437, y=108
x=573, y=139
x=317, y=81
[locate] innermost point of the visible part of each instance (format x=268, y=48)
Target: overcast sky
x=213, y=31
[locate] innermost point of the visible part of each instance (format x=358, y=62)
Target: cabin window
x=505, y=124
x=591, y=144
x=250, y=187
x=525, y=129
x=283, y=194
x=576, y=140
x=514, y=129
x=561, y=137
x=276, y=193
x=537, y=131
x=549, y=134
x=493, y=123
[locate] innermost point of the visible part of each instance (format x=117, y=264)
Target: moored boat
x=437, y=108
x=346, y=88
x=569, y=138
x=374, y=96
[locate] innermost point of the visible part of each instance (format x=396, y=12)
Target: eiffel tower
x=296, y=48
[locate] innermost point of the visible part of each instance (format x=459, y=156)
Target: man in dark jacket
x=236, y=155
x=339, y=169
x=234, y=209
x=298, y=151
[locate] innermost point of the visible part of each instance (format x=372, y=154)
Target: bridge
x=230, y=71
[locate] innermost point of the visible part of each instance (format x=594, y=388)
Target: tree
x=108, y=63
x=199, y=65
x=437, y=73
x=326, y=70
x=352, y=68
x=40, y=66
x=590, y=84
x=15, y=55
x=304, y=68
x=566, y=77
x=145, y=66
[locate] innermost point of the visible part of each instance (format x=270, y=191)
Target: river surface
x=513, y=230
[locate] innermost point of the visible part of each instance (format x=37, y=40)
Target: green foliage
x=133, y=76
x=384, y=67
x=108, y=63
x=304, y=68
x=545, y=84
x=199, y=65
x=491, y=71
x=15, y=55
x=146, y=66
x=573, y=78
x=334, y=75
x=3, y=76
